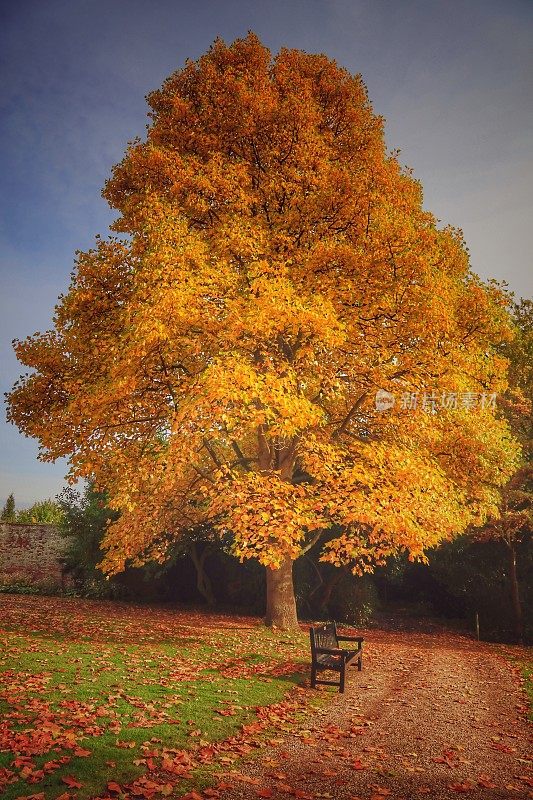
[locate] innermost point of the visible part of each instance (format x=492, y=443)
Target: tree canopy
x=219, y=359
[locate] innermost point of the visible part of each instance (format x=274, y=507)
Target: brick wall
x=30, y=553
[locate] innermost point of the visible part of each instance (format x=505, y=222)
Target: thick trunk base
x=281, y=604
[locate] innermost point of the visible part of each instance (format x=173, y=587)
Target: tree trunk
x=329, y=586
x=281, y=604
x=515, y=596
x=203, y=582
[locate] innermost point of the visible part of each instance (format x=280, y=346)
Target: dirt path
x=430, y=715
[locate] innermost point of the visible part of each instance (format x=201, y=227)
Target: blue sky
x=452, y=79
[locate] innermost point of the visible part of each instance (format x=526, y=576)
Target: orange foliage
x=221, y=362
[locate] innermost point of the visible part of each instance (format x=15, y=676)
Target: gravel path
x=431, y=715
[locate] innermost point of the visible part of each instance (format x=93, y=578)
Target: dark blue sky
x=452, y=78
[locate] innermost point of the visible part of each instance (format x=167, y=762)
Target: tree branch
x=312, y=543
x=212, y=453
x=347, y=419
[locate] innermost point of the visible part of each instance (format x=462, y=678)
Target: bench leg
x=343, y=678
x=360, y=663
x=313, y=677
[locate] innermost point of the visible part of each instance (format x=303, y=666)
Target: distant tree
x=8, y=512
x=514, y=522
x=85, y=517
x=46, y=512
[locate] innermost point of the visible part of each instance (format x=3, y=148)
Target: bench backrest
x=324, y=636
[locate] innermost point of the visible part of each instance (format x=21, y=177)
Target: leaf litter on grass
x=96, y=696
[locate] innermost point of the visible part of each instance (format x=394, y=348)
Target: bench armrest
x=359, y=639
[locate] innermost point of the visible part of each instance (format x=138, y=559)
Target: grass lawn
x=96, y=697
x=527, y=673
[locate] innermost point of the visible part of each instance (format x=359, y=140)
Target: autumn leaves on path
x=430, y=716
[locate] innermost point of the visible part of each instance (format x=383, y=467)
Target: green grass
x=88, y=675
x=527, y=672
x=520, y=657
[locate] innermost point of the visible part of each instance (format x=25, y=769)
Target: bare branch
x=312, y=543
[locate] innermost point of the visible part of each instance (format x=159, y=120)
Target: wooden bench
x=327, y=655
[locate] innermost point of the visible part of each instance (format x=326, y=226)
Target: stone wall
x=30, y=553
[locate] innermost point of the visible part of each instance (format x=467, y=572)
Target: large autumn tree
x=219, y=361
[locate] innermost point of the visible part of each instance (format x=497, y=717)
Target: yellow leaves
x=267, y=516
x=244, y=395
x=274, y=306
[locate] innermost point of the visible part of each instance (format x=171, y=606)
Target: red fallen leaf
x=191, y=796
x=466, y=786
x=166, y=789
x=52, y=728
x=64, y=796
x=447, y=758
x=26, y=771
x=211, y=793
x=50, y=766
x=38, y=796
x=503, y=747
x=357, y=765
x=485, y=782
x=81, y=752
x=284, y=787
x=245, y=778
x=111, y=764
x=264, y=792
x=125, y=745
x=71, y=781
x=114, y=787
x=21, y=761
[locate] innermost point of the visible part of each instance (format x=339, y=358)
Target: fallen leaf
x=71, y=781
x=465, y=786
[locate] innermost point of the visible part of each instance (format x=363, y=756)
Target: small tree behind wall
x=8, y=511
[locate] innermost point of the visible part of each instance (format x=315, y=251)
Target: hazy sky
x=454, y=80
